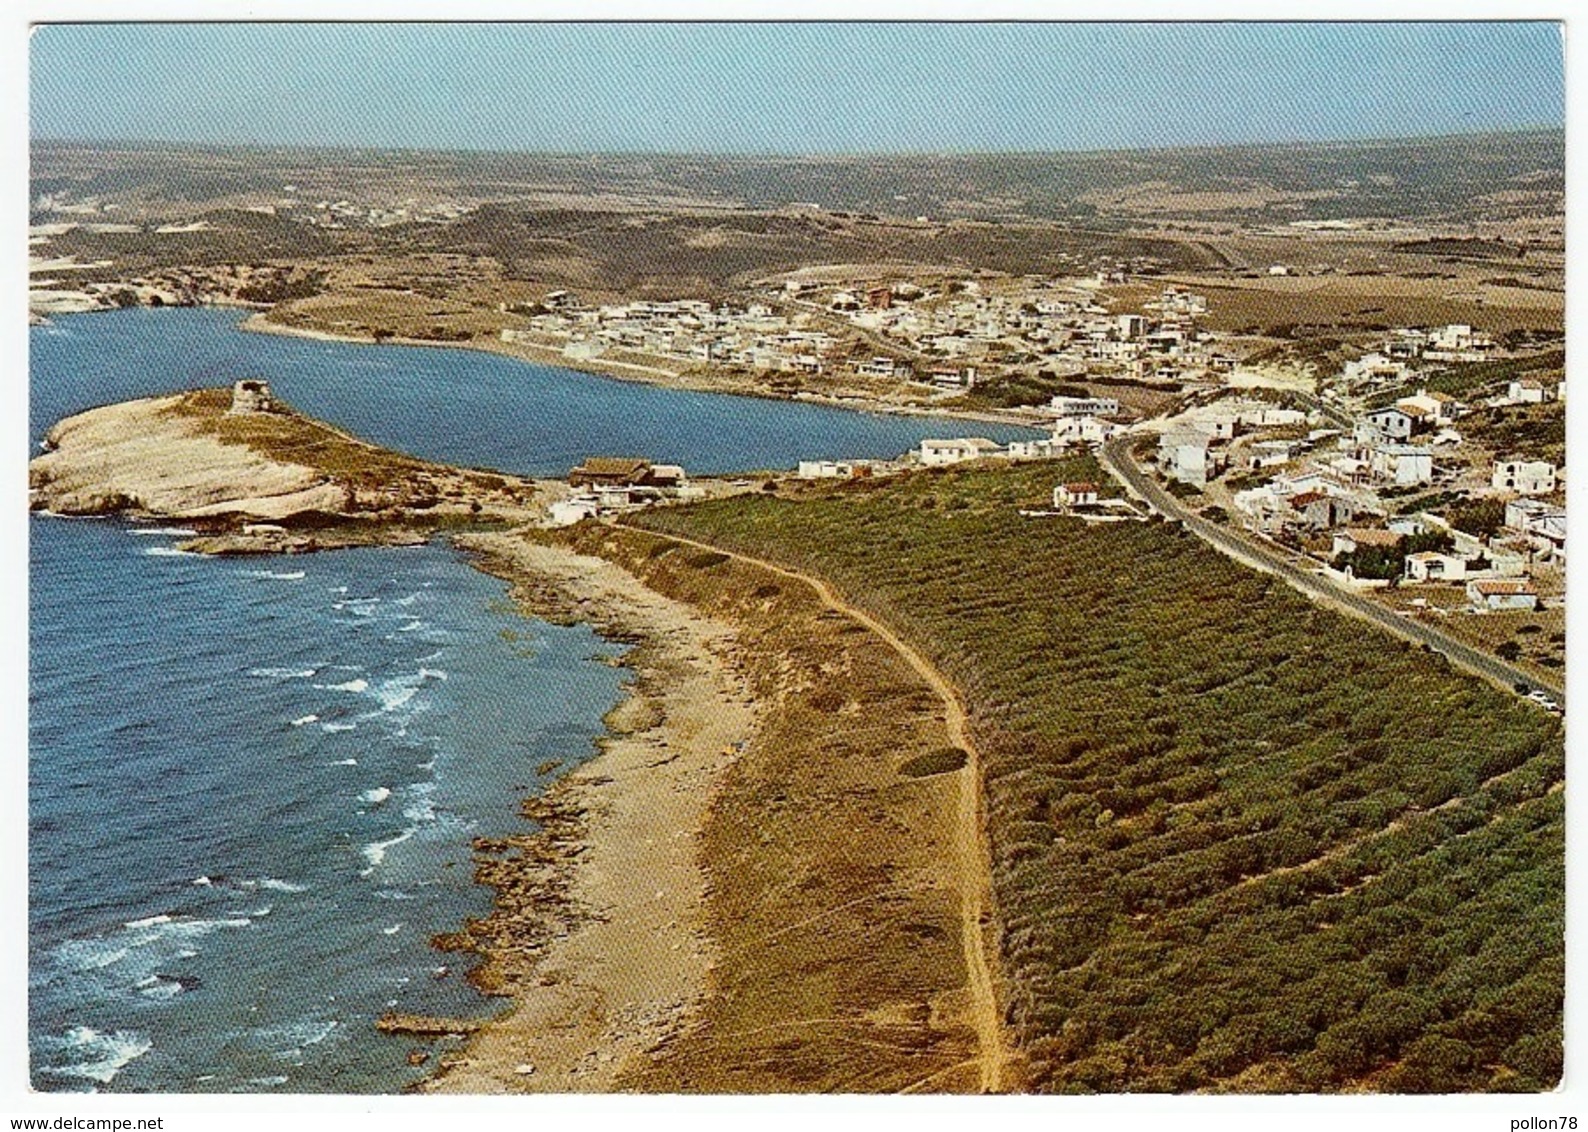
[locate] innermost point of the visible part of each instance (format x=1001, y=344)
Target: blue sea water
x=253, y=783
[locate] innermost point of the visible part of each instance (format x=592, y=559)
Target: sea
x=253, y=783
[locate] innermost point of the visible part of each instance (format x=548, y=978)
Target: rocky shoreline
x=251, y=480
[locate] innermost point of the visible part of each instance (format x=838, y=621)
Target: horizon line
x=344, y=147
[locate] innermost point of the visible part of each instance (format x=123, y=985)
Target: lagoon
x=453, y=405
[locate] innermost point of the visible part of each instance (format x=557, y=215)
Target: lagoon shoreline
x=260, y=323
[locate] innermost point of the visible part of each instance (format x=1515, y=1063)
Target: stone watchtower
x=251, y=395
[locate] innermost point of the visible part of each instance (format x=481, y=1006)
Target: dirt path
x=972, y=849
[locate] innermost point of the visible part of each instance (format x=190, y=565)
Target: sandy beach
x=599, y=930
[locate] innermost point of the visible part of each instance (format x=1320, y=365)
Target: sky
x=787, y=87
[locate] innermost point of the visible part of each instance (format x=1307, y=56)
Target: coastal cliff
x=254, y=476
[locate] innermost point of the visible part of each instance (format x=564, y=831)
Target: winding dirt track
x=973, y=853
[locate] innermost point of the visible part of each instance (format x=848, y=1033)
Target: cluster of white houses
x=1054, y=324
x=1332, y=482
x=1195, y=448
x=690, y=330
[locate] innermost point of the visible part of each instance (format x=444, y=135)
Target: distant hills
x=1449, y=180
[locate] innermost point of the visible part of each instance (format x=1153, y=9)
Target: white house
x=935, y=453
x=1083, y=406
x=1272, y=453
x=1403, y=464
x=1083, y=430
x=1457, y=342
x=1186, y=456
x=1502, y=593
x=825, y=469
x=1526, y=393
x=1391, y=423
x=1374, y=369
x=567, y=512
x=1435, y=408
x=1043, y=448
x=1431, y=566
x=948, y=378
x=1544, y=526
x=1068, y=495
x=1525, y=477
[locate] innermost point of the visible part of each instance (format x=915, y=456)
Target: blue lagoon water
x=453, y=405
x=253, y=783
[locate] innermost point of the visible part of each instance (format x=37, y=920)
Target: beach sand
x=614, y=887
x=799, y=913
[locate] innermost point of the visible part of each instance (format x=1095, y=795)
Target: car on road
x=1544, y=700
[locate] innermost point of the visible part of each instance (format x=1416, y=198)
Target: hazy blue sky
x=790, y=87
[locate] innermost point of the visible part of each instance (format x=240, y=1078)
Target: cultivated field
x=1240, y=843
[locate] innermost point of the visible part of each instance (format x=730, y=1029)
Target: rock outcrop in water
x=268, y=480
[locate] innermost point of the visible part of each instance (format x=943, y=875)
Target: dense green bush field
x=1240, y=842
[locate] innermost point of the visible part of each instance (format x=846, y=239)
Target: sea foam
x=99, y=1056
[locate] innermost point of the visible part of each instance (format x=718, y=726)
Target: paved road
x=1116, y=457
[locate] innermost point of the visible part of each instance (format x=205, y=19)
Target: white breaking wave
x=167, y=927
x=375, y=851
x=91, y=954
x=422, y=808
x=281, y=885
x=338, y=726
x=283, y=673
x=376, y=796
x=170, y=552
x=103, y=1055
x=393, y=695
x=355, y=685
x=396, y=692
x=345, y=762
x=149, y=921
x=302, y=719
x=289, y=576
x=156, y=987
x=167, y=532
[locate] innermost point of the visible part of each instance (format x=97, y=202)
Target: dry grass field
x=832, y=899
